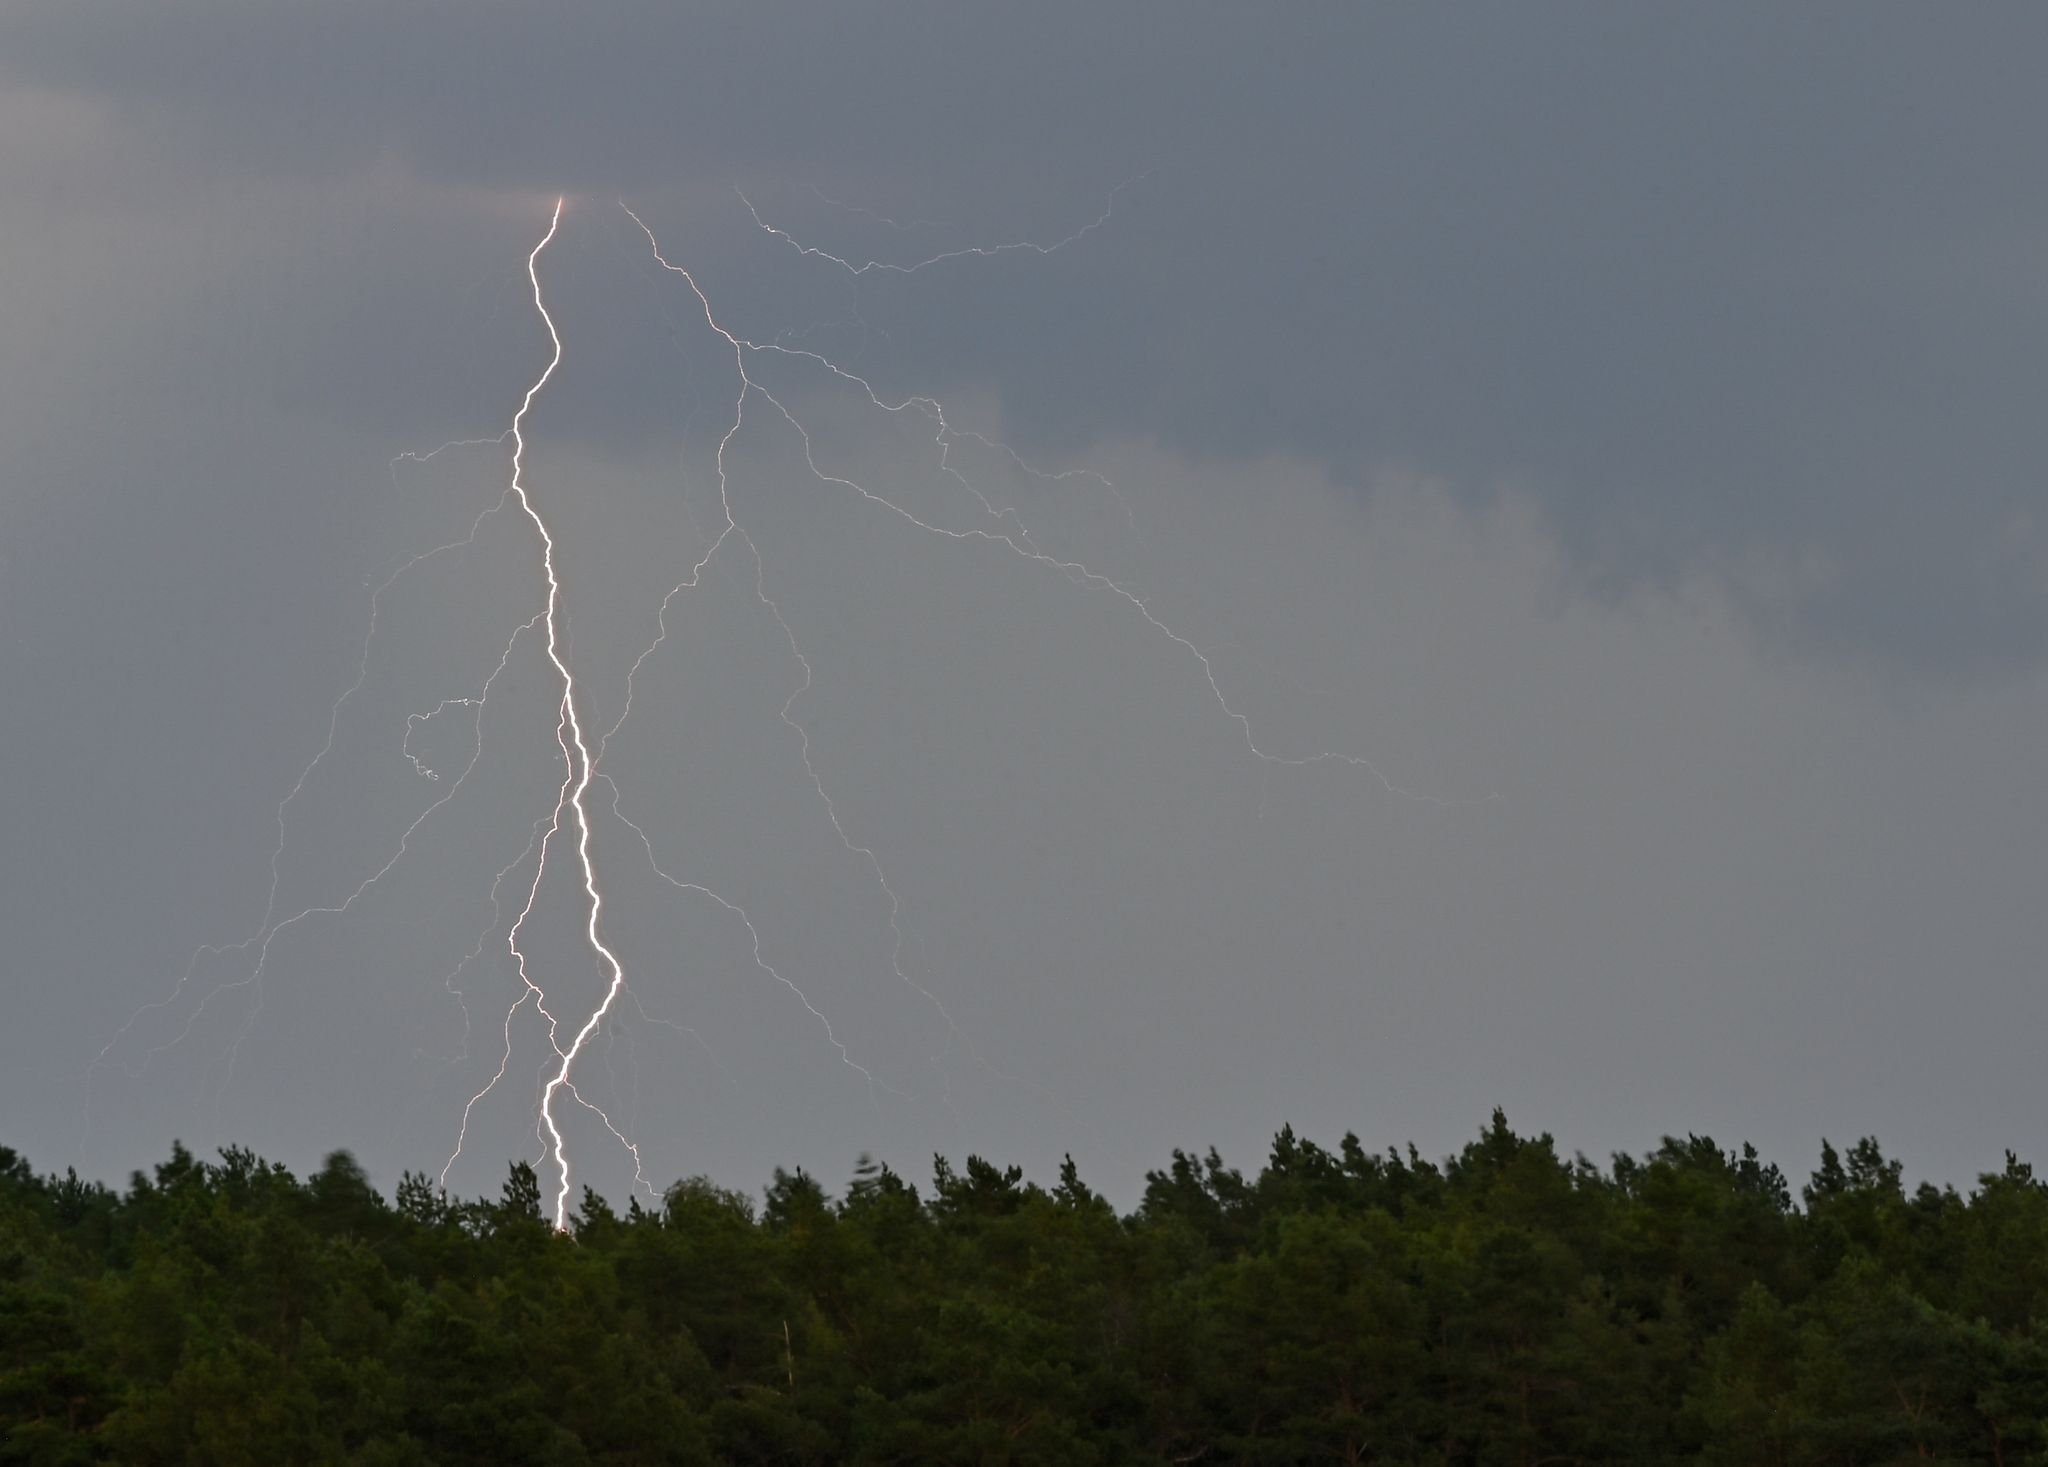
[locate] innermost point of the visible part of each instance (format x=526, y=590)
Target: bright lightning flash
x=575, y=754
x=569, y=821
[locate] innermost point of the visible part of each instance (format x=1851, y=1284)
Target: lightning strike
x=570, y=819
x=575, y=784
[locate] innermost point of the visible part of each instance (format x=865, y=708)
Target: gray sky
x=1619, y=425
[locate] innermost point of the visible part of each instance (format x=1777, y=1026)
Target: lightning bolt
x=576, y=757
x=580, y=766
x=567, y=828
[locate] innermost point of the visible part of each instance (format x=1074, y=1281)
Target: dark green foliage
x=1510, y=1306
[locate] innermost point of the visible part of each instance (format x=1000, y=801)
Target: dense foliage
x=1508, y=1306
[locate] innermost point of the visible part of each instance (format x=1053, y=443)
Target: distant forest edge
x=1509, y=1305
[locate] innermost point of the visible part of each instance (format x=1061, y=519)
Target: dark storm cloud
x=1748, y=291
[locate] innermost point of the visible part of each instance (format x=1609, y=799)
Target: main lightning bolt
x=576, y=757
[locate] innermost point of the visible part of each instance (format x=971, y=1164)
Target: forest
x=1507, y=1305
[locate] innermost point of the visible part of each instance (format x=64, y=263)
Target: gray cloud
x=1721, y=289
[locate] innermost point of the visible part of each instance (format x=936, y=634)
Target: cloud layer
x=1735, y=290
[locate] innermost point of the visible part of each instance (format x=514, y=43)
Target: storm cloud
x=1618, y=423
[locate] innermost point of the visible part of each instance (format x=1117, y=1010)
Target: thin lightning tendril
x=967, y=252
x=749, y=386
x=754, y=935
x=476, y=951
x=254, y=979
x=1018, y=541
x=899, y=225
x=266, y=930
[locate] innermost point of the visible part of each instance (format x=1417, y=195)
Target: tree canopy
x=1508, y=1305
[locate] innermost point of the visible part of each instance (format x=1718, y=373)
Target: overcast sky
x=1614, y=430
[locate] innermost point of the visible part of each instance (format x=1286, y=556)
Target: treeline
x=1507, y=1306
